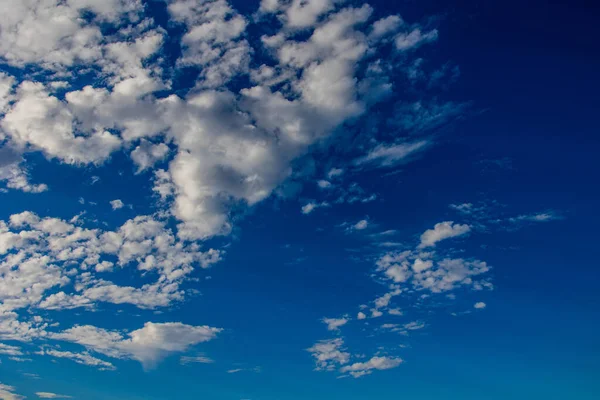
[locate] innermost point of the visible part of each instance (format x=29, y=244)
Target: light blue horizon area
x=525, y=144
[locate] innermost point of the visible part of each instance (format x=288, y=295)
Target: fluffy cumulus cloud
x=147, y=345
x=224, y=147
x=442, y=231
x=434, y=275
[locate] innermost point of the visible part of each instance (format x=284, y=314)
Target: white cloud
x=14, y=173
x=49, y=395
x=302, y=13
x=414, y=39
x=214, y=40
x=230, y=149
x=335, y=173
x=80, y=358
x=360, y=225
x=376, y=363
x=148, y=345
x=414, y=325
x=116, y=204
x=323, y=184
x=449, y=274
x=442, y=231
x=385, y=26
x=329, y=354
x=42, y=121
x=225, y=147
x=8, y=393
x=8, y=350
x=384, y=301
x=480, y=305
x=147, y=154
x=419, y=271
x=464, y=208
x=20, y=359
x=46, y=253
x=312, y=206
x=361, y=315
x=385, y=155
x=308, y=208
x=536, y=217
x=236, y=370
x=420, y=265
x=195, y=360
x=334, y=324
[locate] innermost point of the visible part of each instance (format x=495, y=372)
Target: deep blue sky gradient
x=529, y=70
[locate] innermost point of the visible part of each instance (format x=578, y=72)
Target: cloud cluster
x=8, y=393
x=329, y=354
x=405, y=273
x=227, y=147
x=41, y=255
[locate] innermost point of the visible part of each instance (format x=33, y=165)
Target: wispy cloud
x=389, y=155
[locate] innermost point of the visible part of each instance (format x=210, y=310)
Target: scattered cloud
x=360, y=225
x=80, y=358
x=415, y=39
x=536, y=217
x=8, y=393
x=103, y=87
x=312, y=206
x=195, y=360
x=442, y=231
x=10, y=350
x=116, y=204
x=329, y=354
x=323, y=184
x=335, y=173
x=237, y=370
x=43, y=254
x=414, y=325
x=376, y=363
x=479, y=305
x=334, y=324
x=48, y=395
x=391, y=155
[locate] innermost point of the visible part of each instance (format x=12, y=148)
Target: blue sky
x=298, y=199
